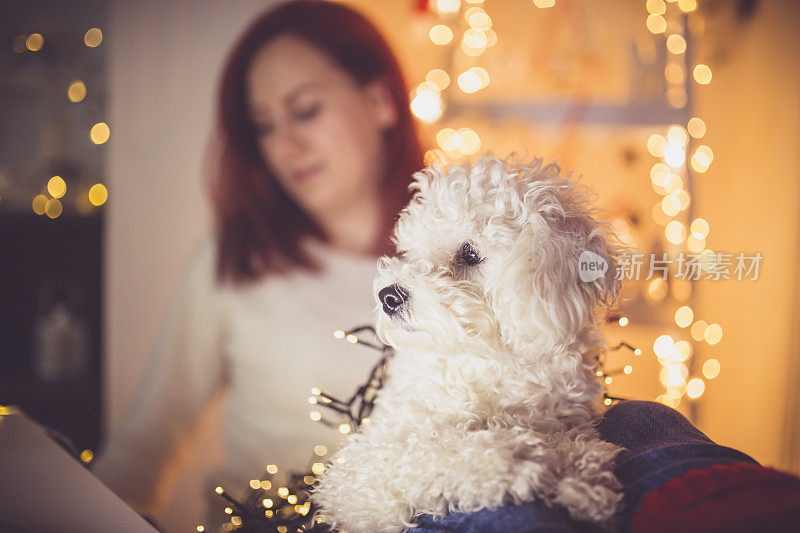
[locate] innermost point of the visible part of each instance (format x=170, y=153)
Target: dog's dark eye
x=469, y=255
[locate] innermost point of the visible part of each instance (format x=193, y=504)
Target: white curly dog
x=492, y=395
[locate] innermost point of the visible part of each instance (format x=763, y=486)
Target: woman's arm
x=183, y=374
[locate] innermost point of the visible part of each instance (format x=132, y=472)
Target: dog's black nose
x=392, y=297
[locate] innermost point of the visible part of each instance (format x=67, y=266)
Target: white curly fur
x=491, y=397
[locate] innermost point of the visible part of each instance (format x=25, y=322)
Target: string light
x=447, y=7
x=683, y=351
x=100, y=133
x=695, y=244
x=441, y=34
x=711, y=368
x=674, y=155
x=695, y=388
x=438, y=77
x=702, y=74
x=676, y=44
x=39, y=201
x=18, y=45
x=656, y=24
x=657, y=289
x=713, y=334
x=93, y=37
x=684, y=316
x=53, y=208
x=427, y=103
x=34, y=42
x=469, y=81
x=76, y=91
x=698, y=330
x=478, y=19
x=674, y=73
x=696, y=127
x=675, y=232
x=656, y=7
x=57, y=187
x=98, y=194
x=657, y=145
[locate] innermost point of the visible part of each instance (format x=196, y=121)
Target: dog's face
x=488, y=258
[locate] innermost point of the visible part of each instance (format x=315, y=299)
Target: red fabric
x=738, y=497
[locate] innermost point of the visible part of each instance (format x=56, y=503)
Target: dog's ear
x=561, y=272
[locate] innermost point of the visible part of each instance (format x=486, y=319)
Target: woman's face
x=319, y=132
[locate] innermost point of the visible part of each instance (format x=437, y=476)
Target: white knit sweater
x=269, y=344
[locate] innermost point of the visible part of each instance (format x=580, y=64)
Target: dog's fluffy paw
x=589, y=502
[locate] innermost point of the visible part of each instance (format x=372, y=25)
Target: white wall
x=165, y=58
x=751, y=196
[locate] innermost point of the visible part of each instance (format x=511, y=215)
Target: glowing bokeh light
x=676, y=44
x=656, y=7
x=100, y=133
x=440, y=34
x=656, y=24
x=656, y=145
x=675, y=232
x=57, y=187
x=34, y=42
x=695, y=388
x=447, y=7
x=76, y=91
x=711, y=368
x=699, y=228
x=702, y=74
x=98, y=194
x=696, y=127
x=93, y=37
x=53, y=208
x=713, y=334
x=684, y=316
x=438, y=77
x=698, y=330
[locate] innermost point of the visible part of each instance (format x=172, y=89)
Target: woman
x=314, y=153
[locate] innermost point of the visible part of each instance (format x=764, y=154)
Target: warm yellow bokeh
x=57, y=187
x=98, y=194
x=76, y=91
x=93, y=37
x=100, y=133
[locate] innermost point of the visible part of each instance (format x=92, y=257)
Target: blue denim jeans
x=660, y=444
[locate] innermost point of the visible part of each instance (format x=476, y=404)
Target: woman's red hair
x=259, y=229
